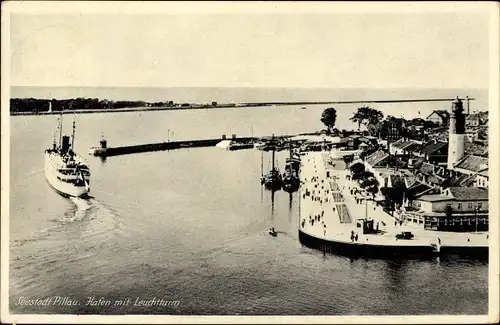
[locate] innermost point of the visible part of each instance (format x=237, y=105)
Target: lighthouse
x=456, y=135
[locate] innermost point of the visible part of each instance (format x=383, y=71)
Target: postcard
x=268, y=162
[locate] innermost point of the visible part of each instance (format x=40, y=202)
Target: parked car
x=405, y=235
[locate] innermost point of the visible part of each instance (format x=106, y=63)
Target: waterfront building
x=454, y=209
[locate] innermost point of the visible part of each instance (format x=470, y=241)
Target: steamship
x=67, y=172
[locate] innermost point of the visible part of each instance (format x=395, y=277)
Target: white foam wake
x=82, y=206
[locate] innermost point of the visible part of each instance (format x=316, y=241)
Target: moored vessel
x=272, y=180
x=67, y=172
x=239, y=146
x=291, y=180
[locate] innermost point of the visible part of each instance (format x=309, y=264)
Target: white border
x=253, y=8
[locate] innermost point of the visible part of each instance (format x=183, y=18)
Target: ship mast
x=60, y=129
x=73, y=137
x=272, y=169
x=262, y=164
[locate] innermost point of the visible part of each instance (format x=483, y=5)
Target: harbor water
x=191, y=225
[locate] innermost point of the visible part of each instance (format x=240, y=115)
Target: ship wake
x=94, y=219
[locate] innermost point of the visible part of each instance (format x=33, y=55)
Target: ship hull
x=63, y=188
x=272, y=185
x=291, y=185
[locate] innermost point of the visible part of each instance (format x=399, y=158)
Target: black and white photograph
x=302, y=162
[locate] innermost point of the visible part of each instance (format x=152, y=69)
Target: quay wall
x=370, y=250
x=360, y=249
x=325, y=225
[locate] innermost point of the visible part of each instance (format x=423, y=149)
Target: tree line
x=33, y=105
x=376, y=125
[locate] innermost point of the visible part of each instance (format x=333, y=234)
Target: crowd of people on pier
x=323, y=190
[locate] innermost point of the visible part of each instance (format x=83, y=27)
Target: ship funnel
x=65, y=144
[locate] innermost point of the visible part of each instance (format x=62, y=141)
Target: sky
x=270, y=49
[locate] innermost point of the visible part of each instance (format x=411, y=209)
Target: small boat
x=291, y=181
x=304, y=107
x=273, y=232
x=260, y=145
x=272, y=181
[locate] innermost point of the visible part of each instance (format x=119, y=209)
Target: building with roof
x=435, y=151
x=454, y=209
x=377, y=159
x=482, y=179
x=403, y=146
x=471, y=164
x=476, y=119
x=476, y=147
x=439, y=117
x=356, y=141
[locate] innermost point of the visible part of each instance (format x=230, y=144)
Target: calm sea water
x=191, y=225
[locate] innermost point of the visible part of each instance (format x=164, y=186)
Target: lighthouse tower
x=456, y=136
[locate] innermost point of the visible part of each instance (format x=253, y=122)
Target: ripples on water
x=191, y=225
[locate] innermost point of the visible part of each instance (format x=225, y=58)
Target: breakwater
x=239, y=143
x=161, y=146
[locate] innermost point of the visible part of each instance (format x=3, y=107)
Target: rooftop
x=476, y=148
x=419, y=188
x=473, y=163
x=468, y=193
x=426, y=168
x=461, y=180
x=413, y=147
x=435, y=179
x=377, y=157
x=434, y=198
x=483, y=173
x=401, y=144
x=444, y=114
x=431, y=147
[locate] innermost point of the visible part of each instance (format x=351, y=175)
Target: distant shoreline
x=117, y=110
x=208, y=106
x=132, y=109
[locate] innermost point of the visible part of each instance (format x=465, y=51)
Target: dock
x=240, y=143
x=162, y=146
x=330, y=216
